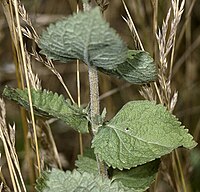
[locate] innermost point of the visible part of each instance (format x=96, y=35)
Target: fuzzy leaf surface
x=139, y=68
x=138, y=178
x=49, y=104
x=85, y=36
x=61, y=181
x=140, y=132
x=86, y=164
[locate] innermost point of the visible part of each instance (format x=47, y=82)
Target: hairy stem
x=94, y=101
x=94, y=97
x=94, y=111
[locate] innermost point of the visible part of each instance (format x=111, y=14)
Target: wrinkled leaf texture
x=85, y=36
x=139, y=133
x=59, y=181
x=49, y=104
x=139, y=68
x=138, y=178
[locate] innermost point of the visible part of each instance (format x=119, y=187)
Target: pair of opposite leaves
x=87, y=36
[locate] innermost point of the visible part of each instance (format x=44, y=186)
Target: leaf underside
x=49, y=104
x=139, y=68
x=60, y=181
x=85, y=36
x=140, y=132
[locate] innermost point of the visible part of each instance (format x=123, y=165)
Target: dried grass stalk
x=8, y=138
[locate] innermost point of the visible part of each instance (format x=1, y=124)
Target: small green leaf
x=140, y=132
x=86, y=164
x=139, y=178
x=59, y=181
x=85, y=36
x=46, y=103
x=139, y=68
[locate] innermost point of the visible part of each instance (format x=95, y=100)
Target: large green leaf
x=140, y=132
x=59, y=181
x=46, y=103
x=85, y=36
x=139, y=68
x=139, y=178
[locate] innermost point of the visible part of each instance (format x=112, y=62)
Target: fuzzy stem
x=94, y=111
x=94, y=101
x=94, y=97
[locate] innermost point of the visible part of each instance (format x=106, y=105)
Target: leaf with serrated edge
x=140, y=132
x=139, y=178
x=86, y=164
x=85, y=36
x=139, y=68
x=60, y=181
x=49, y=104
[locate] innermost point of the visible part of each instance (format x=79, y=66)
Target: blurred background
x=114, y=92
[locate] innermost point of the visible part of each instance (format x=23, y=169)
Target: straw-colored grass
x=149, y=27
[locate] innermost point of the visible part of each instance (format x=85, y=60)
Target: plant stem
x=95, y=110
x=94, y=101
x=94, y=97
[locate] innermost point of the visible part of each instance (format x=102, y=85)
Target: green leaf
x=139, y=68
x=140, y=132
x=85, y=36
x=46, y=103
x=139, y=178
x=86, y=164
x=60, y=181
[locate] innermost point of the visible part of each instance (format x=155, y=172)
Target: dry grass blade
x=78, y=84
x=113, y=91
x=22, y=51
x=146, y=91
x=25, y=17
x=186, y=54
x=188, y=15
x=1, y=187
x=49, y=64
x=48, y=146
x=8, y=139
x=9, y=13
x=30, y=32
x=132, y=27
x=166, y=38
x=34, y=79
x=4, y=187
